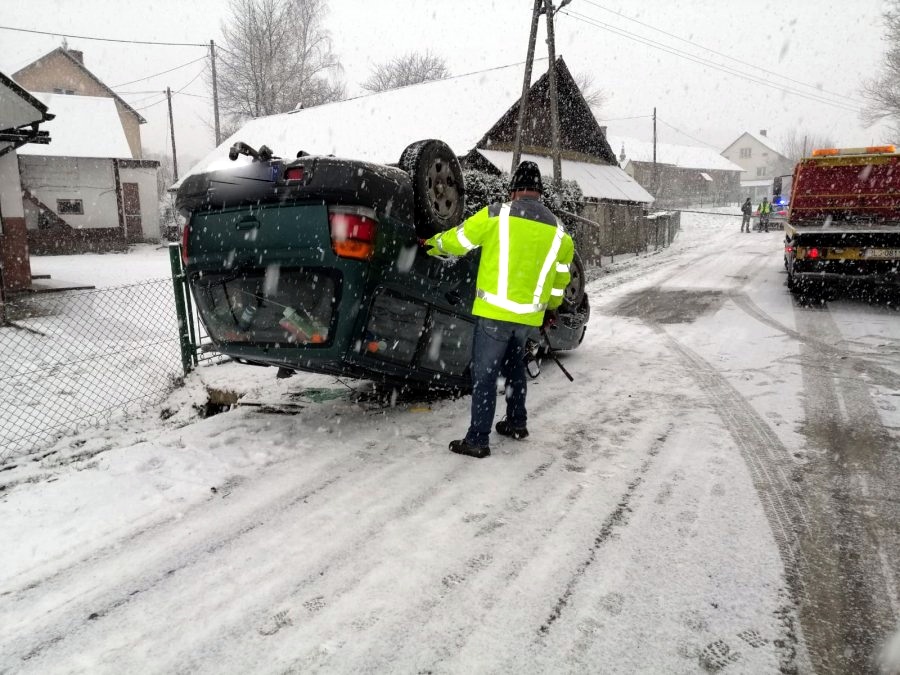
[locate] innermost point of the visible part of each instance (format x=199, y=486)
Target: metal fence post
x=178, y=285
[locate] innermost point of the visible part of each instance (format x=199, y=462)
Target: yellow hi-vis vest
x=524, y=267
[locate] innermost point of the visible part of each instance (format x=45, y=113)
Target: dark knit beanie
x=527, y=177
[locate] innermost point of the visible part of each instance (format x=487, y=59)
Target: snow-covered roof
x=683, y=156
x=85, y=126
x=597, y=181
x=765, y=141
x=756, y=183
x=377, y=127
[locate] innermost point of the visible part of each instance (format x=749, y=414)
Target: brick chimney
x=762, y=132
x=77, y=54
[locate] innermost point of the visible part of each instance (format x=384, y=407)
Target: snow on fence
x=74, y=359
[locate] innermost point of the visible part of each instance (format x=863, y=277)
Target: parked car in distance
x=314, y=264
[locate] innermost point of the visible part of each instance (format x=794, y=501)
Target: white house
x=84, y=191
x=761, y=160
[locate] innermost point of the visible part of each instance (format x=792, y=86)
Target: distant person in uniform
x=747, y=210
x=765, y=209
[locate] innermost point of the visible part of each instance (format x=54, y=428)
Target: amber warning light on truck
x=870, y=150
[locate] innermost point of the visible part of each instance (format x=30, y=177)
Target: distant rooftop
x=683, y=156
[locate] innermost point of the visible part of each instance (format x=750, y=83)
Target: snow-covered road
x=715, y=491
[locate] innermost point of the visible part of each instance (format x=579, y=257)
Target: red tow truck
x=843, y=223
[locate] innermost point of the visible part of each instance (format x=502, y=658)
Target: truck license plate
x=883, y=253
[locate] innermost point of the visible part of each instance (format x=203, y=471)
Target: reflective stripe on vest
x=548, y=261
x=463, y=239
x=509, y=305
x=501, y=298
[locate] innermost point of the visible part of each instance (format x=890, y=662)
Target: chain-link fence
x=72, y=359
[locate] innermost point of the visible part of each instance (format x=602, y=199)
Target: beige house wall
x=55, y=71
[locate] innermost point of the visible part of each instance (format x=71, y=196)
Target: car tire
x=574, y=292
x=438, y=189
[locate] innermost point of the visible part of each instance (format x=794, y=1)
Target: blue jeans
x=498, y=348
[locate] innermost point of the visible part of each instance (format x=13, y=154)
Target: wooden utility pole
x=526, y=85
x=212, y=56
x=655, y=172
x=172, y=129
x=554, y=102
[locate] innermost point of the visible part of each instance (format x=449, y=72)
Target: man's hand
x=430, y=248
x=550, y=318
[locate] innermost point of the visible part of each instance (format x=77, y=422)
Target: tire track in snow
x=494, y=565
x=94, y=608
x=531, y=490
x=772, y=472
x=618, y=518
x=880, y=375
x=851, y=479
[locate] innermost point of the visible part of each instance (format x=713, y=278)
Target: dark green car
x=315, y=264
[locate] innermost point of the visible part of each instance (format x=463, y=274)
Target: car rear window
x=274, y=305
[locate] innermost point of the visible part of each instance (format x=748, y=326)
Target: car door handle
x=247, y=223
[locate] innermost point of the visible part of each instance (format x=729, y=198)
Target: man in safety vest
x=765, y=209
x=523, y=271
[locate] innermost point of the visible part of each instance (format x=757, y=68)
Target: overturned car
x=314, y=264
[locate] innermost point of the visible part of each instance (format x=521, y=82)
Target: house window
x=745, y=153
x=57, y=90
x=70, y=207
x=760, y=171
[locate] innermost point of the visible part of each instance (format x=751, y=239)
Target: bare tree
x=411, y=68
x=883, y=92
x=595, y=96
x=276, y=56
x=798, y=143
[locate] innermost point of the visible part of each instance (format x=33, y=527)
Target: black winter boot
x=463, y=448
x=504, y=429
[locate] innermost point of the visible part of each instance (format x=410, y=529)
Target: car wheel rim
x=573, y=289
x=443, y=189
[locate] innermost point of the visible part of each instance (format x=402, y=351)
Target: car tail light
x=788, y=248
x=185, y=235
x=295, y=173
x=352, y=234
x=813, y=253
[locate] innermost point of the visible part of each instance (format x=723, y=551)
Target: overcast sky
x=831, y=45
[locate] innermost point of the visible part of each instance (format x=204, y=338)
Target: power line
x=202, y=70
x=184, y=93
x=100, y=39
x=162, y=100
x=180, y=91
x=705, y=62
x=619, y=119
x=153, y=94
x=717, y=53
x=148, y=77
x=683, y=133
